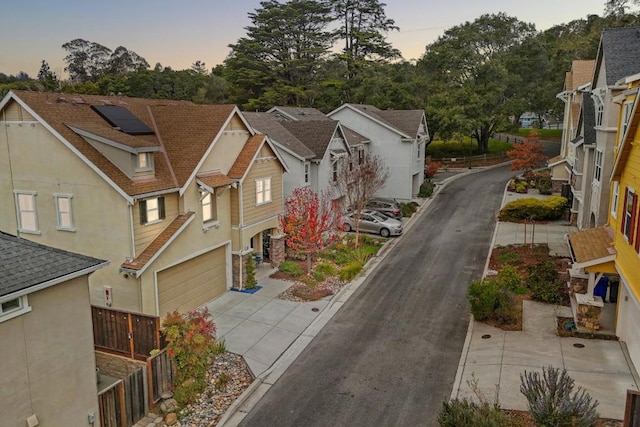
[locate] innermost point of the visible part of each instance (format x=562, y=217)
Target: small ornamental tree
x=358, y=183
x=528, y=154
x=308, y=217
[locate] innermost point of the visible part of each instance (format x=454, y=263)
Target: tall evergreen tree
x=278, y=62
x=46, y=77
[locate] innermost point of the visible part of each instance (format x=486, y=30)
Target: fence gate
x=130, y=334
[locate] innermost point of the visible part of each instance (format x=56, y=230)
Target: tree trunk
x=308, y=262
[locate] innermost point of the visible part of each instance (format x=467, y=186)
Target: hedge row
x=531, y=208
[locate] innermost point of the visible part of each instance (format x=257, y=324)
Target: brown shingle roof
x=214, y=179
x=406, y=121
x=246, y=156
x=301, y=113
x=592, y=244
x=315, y=134
x=581, y=72
x=269, y=125
x=353, y=137
x=157, y=243
x=187, y=132
x=183, y=129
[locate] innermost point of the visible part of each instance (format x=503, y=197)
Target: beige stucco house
x=173, y=194
x=47, y=374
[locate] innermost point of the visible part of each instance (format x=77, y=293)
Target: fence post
x=130, y=336
x=123, y=405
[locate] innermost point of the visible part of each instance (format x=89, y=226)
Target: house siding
x=227, y=147
x=262, y=169
x=50, y=370
x=145, y=233
x=41, y=163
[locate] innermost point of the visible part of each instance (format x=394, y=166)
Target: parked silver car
x=389, y=207
x=373, y=222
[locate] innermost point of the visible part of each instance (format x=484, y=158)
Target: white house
x=398, y=137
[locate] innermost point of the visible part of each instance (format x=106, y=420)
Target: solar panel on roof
x=119, y=117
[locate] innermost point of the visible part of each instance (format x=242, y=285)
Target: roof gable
x=405, y=123
x=619, y=51
x=315, y=134
x=248, y=155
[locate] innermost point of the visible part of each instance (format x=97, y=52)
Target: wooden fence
x=123, y=403
x=130, y=334
x=161, y=373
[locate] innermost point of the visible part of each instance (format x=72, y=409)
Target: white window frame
x=208, y=202
x=307, y=173
x=20, y=211
x=614, y=199
x=144, y=162
x=263, y=191
x=599, y=110
x=627, y=213
x=60, y=214
x=597, y=169
x=627, y=109
x=334, y=171
x=9, y=313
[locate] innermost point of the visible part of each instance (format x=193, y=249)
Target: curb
x=286, y=359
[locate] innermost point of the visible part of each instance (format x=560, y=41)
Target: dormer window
x=144, y=162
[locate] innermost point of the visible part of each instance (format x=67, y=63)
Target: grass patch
x=466, y=147
x=542, y=133
x=291, y=268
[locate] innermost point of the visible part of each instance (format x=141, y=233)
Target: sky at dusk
x=177, y=33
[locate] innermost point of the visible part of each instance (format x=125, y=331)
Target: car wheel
x=346, y=227
x=384, y=232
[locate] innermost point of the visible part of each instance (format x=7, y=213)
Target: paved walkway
x=495, y=359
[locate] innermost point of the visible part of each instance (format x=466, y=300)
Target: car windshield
x=379, y=216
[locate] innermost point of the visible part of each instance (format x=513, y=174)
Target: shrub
x=191, y=342
x=521, y=187
x=325, y=268
x=532, y=208
x=544, y=185
x=552, y=401
x=464, y=412
x=291, y=268
x=508, y=258
x=311, y=294
x=408, y=209
x=250, y=270
x=350, y=271
x=509, y=278
x=426, y=189
x=544, y=282
x=483, y=297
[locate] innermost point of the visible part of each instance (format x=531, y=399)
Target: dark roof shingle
x=25, y=264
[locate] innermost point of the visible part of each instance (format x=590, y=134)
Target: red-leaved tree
x=528, y=154
x=307, y=221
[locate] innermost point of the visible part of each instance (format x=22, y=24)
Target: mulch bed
x=523, y=419
x=564, y=330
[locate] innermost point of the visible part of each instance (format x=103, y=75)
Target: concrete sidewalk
x=494, y=359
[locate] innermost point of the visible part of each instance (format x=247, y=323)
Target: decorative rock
x=168, y=405
x=171, y=419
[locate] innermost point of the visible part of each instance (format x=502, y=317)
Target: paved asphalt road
x=389, y=356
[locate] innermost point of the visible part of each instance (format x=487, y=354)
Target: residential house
x=624, y=217
x=612, y=252
x=175, y=195
x=577, y=82
x=47, y=374
x=312, y=148
x=398, y=137
x=618, y=56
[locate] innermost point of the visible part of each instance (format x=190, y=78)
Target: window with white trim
x=627, y=108
x=597, y=173
x=14, y=307
x=144, y=161
x=63, y=211
x=599, y=110
x=307, y=172
x=614, y=198
x=361, y=156
x=334, y=170
x=630, y=202
x=263, y=191
x=27, y=213
x=208, y=202
x=151, y=210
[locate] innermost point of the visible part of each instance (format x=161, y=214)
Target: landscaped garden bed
x=331, y=269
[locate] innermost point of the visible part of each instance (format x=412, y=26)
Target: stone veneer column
x=276, y=250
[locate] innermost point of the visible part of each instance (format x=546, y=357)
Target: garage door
x=629, y=319
x=192, y=283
